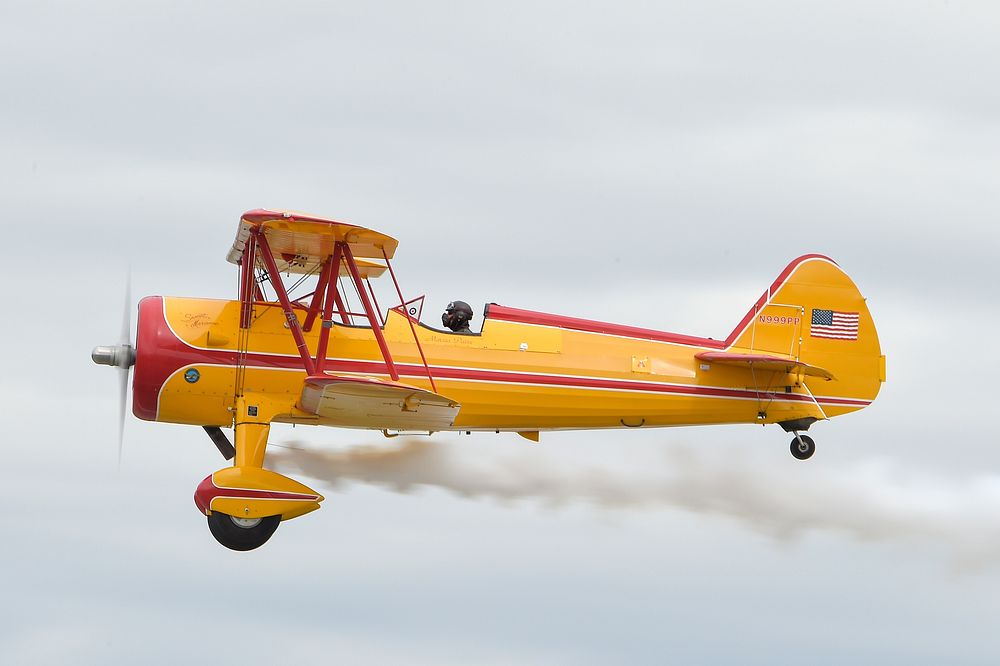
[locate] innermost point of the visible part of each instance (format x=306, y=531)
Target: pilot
x=457, y=316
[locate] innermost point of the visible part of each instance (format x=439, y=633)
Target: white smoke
x=873, y=501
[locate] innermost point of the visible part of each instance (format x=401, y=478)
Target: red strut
x=353, y=268
x=293, y=321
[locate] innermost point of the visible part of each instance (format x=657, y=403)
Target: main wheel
x=242, y=533
x=803, y=450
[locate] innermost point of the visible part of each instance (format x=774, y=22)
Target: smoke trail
x=868, y=502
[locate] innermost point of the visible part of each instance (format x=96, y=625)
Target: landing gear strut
x=241, y=533
x=802, y=447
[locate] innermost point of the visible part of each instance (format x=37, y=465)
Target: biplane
x=306, y=342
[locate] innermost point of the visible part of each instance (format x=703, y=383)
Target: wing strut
x=317, y=296
x=326, y=295
x=332, y=294
x=409, y=319
x=248, y=289
x=352, y=267
x=247, y=281
x=293, y=320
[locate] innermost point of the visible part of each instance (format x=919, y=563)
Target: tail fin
x=813, y=312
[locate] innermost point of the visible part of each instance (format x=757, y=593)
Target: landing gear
x=241, y=533
x=802, y=447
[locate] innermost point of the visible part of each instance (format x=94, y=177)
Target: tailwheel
x=241, y=533
x=803, y=447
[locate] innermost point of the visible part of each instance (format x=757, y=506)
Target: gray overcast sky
x=651, y=163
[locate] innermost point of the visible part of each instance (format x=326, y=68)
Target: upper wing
x=370, y=402
x=301, y=242
x=765, y=362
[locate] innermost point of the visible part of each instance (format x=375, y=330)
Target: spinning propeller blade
x=122, y=357
x=123, y=400
x=124, y=339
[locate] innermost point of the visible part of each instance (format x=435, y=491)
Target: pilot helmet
x=456, y=314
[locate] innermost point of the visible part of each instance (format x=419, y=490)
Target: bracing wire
x=302, y=279
x=347, y=301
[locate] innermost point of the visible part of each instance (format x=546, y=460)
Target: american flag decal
x=834, y=325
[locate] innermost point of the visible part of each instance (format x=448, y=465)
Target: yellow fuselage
x=513, y=376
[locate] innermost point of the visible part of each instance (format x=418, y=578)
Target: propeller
x=122, y=357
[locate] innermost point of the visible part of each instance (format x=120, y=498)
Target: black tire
x=234, y=536
x=805, y=450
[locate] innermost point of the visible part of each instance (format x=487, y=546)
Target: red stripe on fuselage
x=530, y=378
x=503, y=313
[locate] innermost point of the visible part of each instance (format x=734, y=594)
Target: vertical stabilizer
x=814, y=313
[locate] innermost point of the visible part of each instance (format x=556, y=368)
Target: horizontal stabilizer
x=765, y=362
x=370, y=402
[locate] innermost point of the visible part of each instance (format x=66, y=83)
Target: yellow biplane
x=807, y=350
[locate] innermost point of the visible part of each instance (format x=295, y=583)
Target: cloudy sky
x=651, y=163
